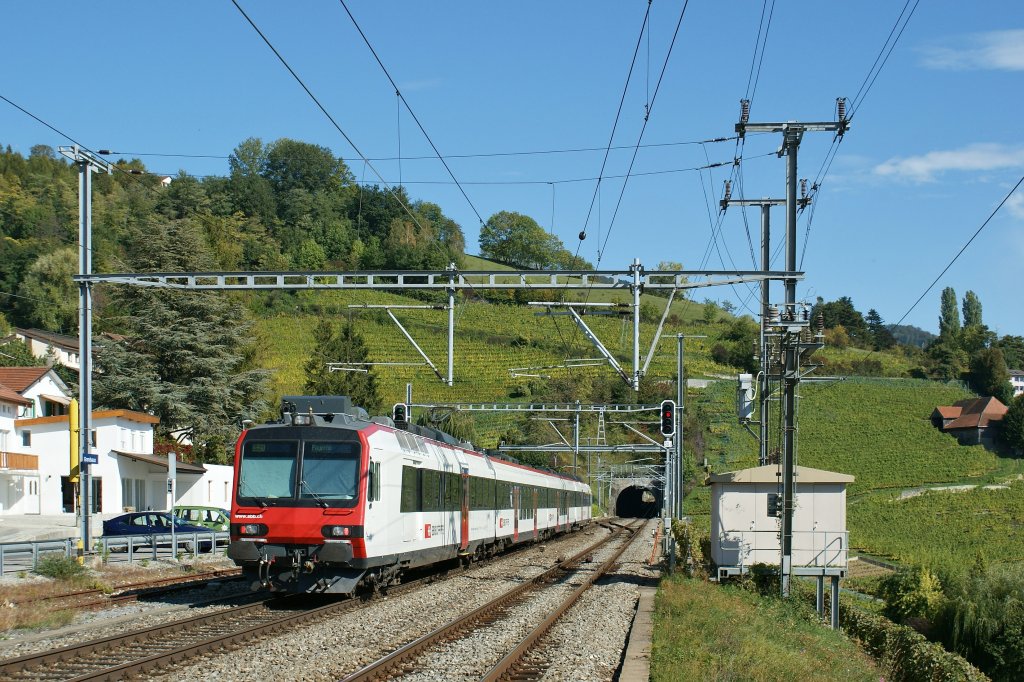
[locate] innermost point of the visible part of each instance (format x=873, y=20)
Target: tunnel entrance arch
x=638, y=501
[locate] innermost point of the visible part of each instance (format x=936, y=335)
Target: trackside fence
x=16, y=557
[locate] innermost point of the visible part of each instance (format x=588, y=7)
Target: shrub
x=911, y=593
x=59, y=566
x=906, y=654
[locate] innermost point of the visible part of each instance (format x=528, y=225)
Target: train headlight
x=302, y=420
x=252, y=529
x=336, y=531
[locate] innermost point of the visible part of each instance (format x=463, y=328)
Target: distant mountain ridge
x=910, y=335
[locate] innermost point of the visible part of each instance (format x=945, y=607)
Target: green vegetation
x=941, y=529
x=59, y=566
x=707, y=632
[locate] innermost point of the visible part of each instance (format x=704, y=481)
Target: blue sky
x=935, y=144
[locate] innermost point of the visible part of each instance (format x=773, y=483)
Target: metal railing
x=811, y=548
x=25, y=556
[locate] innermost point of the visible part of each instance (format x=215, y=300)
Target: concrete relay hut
x=743, y=532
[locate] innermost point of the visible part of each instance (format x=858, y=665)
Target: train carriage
x=327, y=499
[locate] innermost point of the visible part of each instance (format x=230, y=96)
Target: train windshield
x=322, y=473
x=330, y=471
x=268, y=469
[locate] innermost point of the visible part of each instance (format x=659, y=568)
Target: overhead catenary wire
x=412, y=113
x=643, y=128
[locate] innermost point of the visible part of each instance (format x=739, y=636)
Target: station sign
x=91, y=458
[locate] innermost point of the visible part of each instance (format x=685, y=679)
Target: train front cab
x=297, y=517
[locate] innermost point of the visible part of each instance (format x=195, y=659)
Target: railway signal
x=400, y=413
x=668, y=418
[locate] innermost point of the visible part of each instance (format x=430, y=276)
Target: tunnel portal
x=638, y=502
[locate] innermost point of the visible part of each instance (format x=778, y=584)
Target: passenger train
x=327, y=499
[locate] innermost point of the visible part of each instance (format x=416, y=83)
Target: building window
x=26, y=439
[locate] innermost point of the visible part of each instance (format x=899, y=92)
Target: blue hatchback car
x=153, y=524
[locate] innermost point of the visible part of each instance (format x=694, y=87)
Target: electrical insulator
x=757, y=350
x=728, y=190
x=668, y=418
x=805, y=314
x=841, y=108
x=744, y=110
x=820, y=320
x=773, y=314
x=803, y=188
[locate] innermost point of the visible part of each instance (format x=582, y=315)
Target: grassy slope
x=490, y=340
x=706, y=632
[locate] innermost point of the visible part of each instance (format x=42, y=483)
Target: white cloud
x=974, y=157
x=1015, y=204
x=1000, y=50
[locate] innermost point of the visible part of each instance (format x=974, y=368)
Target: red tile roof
x=949, y=411
x=20, y=378
x=977, y=413
x=12, y=396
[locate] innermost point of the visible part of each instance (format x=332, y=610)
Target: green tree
x=50, y=296
x=989, y=374
x=1013, y=350
x=187, y=356
x=842, y=312
x=972, y=309
x=1012, y=427
x=710, y=313
x=344, y=347
x=949, y=315
x=291, y=164
x=881, y=337
x=516, y=239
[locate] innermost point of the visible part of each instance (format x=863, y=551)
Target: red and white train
x=328, y=499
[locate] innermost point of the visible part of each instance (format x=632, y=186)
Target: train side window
x=410, y=489
x=431, y=490
x=374, y=487
x=452, y=492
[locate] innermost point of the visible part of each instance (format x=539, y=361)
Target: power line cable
x=615, y=125
x=643, y=128
x=326, y=113
x=409, y=108
x=480, y=155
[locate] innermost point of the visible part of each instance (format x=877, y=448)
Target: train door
x=464, y=544
x=535, y=514
x=515, y=513
x=558, y=511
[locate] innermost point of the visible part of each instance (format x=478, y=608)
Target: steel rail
x=133, y=591
x=507, y=666
x=31, y=666
x=380, y=668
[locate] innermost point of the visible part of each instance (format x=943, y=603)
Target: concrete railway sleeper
x=403, y=660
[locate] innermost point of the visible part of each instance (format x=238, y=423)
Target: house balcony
x=14, y=461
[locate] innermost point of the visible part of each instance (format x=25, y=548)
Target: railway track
x=123, y=656
x=526, y=661
x=99, y=598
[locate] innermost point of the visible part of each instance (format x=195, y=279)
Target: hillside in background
x=879, y=431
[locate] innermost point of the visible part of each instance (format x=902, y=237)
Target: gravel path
x=335, y=647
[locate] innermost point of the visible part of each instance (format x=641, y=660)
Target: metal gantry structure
x=87, y=164
x=634, y=279
x=790, y=328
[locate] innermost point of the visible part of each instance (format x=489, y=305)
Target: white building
x=743, y=532
x=35, y=462
x=1017, y=381
x=54, y=348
